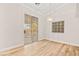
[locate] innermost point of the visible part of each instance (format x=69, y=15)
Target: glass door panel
x=31, y=29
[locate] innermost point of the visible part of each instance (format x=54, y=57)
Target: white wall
x=71, y=28
x=11, y=26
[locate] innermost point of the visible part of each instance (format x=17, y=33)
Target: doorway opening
x=30, y=29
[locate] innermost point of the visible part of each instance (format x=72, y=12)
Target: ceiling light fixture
x=37, y=4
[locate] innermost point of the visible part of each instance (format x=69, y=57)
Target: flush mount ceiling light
x=37, y=4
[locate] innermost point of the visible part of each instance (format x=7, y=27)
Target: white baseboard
x=77, y=45
x=10, y=49
x=19, y=45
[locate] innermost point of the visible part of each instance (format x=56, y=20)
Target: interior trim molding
x=72, y=44
x=11, y=49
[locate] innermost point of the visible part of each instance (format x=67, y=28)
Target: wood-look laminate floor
x=46, y=48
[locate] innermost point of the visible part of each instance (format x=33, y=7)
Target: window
x=58, y=27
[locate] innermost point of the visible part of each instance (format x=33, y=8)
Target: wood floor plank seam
x=60, y=49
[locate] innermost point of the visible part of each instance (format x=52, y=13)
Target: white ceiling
x=45, y=7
